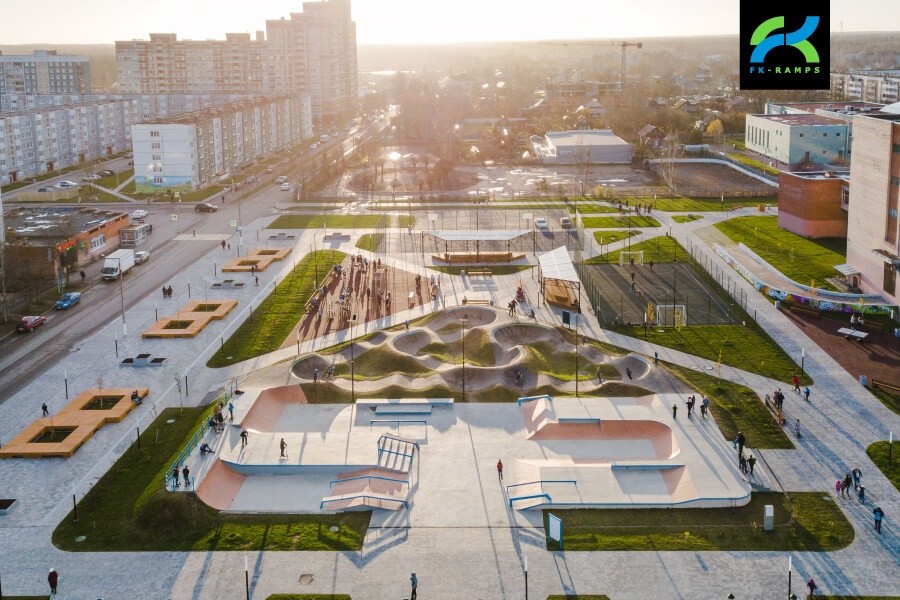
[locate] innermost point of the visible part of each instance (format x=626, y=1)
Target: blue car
x=68, y=300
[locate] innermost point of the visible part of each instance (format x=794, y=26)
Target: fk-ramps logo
x=784, y=49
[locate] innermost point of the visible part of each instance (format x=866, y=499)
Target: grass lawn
x=892, y=401
x=334, y=221
x=309, y=597
x=201, y=194
x=878, y=452
x=611, y=237
x=804, y=522
x=129, y=511
x=686, y=218
x=618, y=222
x=805, y=261
x=495, y=269
x=736, y=408
x=752, y=162
x=370, y=241
x=659, y=249
x=277, y=315
x=585, y=208
x=110, y=182
x=95, y=195
x=684, y=203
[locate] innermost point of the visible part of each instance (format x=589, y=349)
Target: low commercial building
x=796, y=140
x=590, y=146
x=207, y=146
x=814, y=205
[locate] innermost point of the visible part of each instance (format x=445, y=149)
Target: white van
x=566, y=222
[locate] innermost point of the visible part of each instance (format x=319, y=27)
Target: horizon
x=467, y=22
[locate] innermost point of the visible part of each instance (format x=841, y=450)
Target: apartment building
x=869, y=86
x=166, y=65
x=45, y=72
x=45, y=139
x=312, y=53
x=211, y=145
x=873, y=226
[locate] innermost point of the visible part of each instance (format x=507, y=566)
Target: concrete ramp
x=268, y=407
x=220, y=486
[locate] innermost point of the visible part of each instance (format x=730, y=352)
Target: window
x=155, y=146
x=158, y=180
x=896, y=149
x=156, y=157
x=895, y=180
x=98, y=242
x=154, y=134
x=801, y=135
x=824, y=135
x=890, y=279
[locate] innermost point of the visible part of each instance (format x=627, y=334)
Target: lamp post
x=247, y=577
x=802, y=361
x=122, y=296
x=464, y=320
x=352, y=374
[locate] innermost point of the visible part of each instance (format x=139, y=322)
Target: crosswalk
x=202, y=237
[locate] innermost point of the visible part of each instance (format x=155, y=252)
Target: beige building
x=873, y=229
x=46, y=72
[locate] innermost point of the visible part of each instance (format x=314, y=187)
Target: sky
x=408, y=21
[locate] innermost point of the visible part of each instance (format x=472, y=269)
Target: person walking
x=848, y=481
x=256, y=280
x=53, y=580
x=175, y=475
x=165, y=292
x=741, y=440
x=862, y=494
x=45, y=410
x=797, y=428
x=283, y=448
x=628, y=372
x=690, y=406
x=244, y=436
x=879, y=516
x=231, y=411
x=674, y=411
x=83, y=276
x=837, y=488
x=656, y=358
x=500, y=469
x=806, y=393
x=414, y=583
x=186, y=475
x=705, y=405
x=316, y=375
x=857, y=477
x=751, y=462
x=795, y=381
x=812, y=586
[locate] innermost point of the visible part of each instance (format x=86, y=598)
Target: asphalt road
x=23, y=354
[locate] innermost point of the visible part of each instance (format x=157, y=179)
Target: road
x=22, y=355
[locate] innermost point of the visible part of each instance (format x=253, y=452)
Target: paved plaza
x=467, y=543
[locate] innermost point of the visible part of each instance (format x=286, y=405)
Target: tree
x=715, y=129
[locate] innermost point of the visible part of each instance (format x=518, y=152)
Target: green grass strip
x=686, y=218
x=337, y=222
x=128, y=511
x=611, y=237
x=892, y=401
x=370, y=241
x=808, y=262
x=756, y=164
x=619, y=222
x=804, y=522
x=879, y=453
x=274, y=319
x=659, y=249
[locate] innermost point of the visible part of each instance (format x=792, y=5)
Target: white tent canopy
x=557, y=264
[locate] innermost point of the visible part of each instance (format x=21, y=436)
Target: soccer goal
x=626, y=258
x=671, y=315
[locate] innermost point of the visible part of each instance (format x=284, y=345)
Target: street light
x=464, y=320
x=122, y=296
x=802, y=361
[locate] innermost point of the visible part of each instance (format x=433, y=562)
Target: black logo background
x=755, y=12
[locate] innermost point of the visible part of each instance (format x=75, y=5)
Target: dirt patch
x=711, y=179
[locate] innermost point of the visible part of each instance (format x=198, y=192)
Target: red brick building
x=814, y=205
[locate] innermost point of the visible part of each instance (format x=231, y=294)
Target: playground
x=409, y=457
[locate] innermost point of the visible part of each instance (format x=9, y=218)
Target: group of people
x=854, y=479
x=185, y=475
x=856, y=320
x=692, y=402
x=167, y=291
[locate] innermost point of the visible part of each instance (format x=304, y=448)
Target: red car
x=27, y=324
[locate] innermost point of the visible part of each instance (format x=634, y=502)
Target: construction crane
x=623, y=45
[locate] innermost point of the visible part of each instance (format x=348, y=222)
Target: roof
x=846, y=269
x=585, y=137
x=801, y=119
x=556, y=264
x=648, y=129
x=483, y=235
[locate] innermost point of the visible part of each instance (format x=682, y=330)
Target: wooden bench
x=813, y=311
x=479, y=272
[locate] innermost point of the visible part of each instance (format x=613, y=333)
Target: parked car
x=91, y=178
x=285, y=187
x=205, y=207
x=541, y=223
x=68, y=300
x=270, y=169
x=141, y=256
x=26, y=324
x=66, y=184
x=566, y=222
x=281, y=179
x=49, y=188
x=106, y=173
x=139, y=214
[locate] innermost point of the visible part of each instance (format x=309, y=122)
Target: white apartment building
x=150, y=106
x=207, y=146
x=873, y=224
x=45, y=139
x=882, y=87
x=314, y=53
x=167, y=65
x=45, y=72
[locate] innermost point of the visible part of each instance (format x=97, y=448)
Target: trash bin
x=863, y=380
x=769, y=517
x=897, y=332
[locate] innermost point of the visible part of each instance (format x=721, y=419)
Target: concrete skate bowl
x=303, y=368
x=476, y=317
x=639, y=367
x=620, y=440
x=220, y=486
x=269, y=406
x=411, y=342
x=526, y=334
